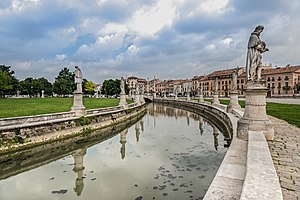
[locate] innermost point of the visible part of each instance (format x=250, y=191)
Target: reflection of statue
x=78, y=168
x=78, y=79
x=137, y=132
x=216, y=134
x=234, y=81
x=123, y=142
x=201, y=125
x=255, y=48
x=142, y=125
x=122, y=85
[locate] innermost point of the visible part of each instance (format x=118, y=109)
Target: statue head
x=259, y=28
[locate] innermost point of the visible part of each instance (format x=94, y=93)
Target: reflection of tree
x=216, y=134
x=78, y=168
x=123, y=142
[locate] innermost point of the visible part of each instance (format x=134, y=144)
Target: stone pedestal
x=78, y=107
x=255, y=117
x=215, y=99
x=142, y=100
x=188, y=96
x=234, y=101
x=154, y=95
x=201, y=99
x=137, y=98
x=123, y=101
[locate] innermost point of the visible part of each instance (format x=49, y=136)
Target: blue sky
x=170, y=39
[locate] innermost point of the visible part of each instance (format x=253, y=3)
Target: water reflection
x=78, y=169
x=166, y=159
x=123, y=142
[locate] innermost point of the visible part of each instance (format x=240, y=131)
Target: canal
x=169, y=153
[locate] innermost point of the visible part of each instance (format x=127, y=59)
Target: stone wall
x=215, y=115
x=42, y=127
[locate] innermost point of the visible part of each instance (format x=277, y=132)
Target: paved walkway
x=285, y=151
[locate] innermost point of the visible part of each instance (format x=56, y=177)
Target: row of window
x=278, y=78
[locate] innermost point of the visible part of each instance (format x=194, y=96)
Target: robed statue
x=255, y=48
x=78, y=79
x=122, y=85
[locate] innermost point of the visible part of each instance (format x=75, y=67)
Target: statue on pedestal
x=122, y=85
x=255, y=48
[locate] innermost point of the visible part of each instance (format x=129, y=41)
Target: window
x=242, y=81
x=273, y=79
x=269, y=79
x=279, y=78
x=273, y=85
x=286, y=78
x=279, y=85
x=238, y=81
x=269, y=85
x=278, y=91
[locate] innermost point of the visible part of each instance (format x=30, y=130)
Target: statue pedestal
x=123, y=101
x=201, y=99
x=234, y=103
x=137, y=98
x=215, y=99
x=78, y=107
x=255, y=117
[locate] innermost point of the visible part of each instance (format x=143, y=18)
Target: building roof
x=280, y=70
x=223, y=72
x=132, y=77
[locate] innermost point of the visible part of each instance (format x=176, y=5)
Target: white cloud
x=149, y=20
x=228, y=42
x=61, y=56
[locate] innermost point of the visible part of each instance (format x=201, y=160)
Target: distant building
x=281, y=82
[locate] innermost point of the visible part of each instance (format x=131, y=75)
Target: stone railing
x=42, y=125
x=103, y=110
x=261, y=181
x=35, y=118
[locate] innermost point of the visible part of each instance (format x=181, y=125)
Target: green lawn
x=36, y=106
x=287, y=112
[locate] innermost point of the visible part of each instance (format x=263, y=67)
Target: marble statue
x=78, y=79
x=234, y=81
x=122, y=85
x=216, y=85
x=255, y=48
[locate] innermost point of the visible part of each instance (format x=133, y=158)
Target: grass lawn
x=36, y=106
x=287, y=112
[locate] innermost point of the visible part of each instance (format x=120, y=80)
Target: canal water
x=168, y=154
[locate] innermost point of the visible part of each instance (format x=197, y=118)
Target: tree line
x=63, y=84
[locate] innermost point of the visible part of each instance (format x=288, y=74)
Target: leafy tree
x=111, y=87
x=26, y=87
x=89, y=87
x=33, y=87
x=8, y=82
x=64, y=82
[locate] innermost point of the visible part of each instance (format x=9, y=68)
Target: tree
x=111, y=87
x=89, y=87
x=8, y=82
x=64, y=82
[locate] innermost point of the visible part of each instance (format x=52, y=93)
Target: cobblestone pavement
x=285, y=151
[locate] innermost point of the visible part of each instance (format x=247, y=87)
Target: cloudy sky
x=167, y=38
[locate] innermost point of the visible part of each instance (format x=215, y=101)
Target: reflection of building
x=78, y=168
x=123, y=142
x=216, y=134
